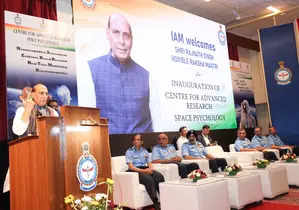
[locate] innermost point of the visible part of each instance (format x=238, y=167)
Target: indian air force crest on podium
x=87, y=169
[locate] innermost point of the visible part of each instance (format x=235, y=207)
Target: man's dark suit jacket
x=203, y=142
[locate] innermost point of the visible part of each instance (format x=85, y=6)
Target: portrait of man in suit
x=121, y=85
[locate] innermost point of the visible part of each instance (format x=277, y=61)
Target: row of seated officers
x=140, y=161
x=262, y=143
x=192, y=147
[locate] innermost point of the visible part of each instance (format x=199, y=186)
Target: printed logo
x=283, y=75
x=87, y=170
x=43, y=24
x=89, y=3
x=221, y=36
x=18, y=20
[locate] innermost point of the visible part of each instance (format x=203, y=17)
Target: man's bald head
x=119, y=34
x=40, y=94
x=119, y=18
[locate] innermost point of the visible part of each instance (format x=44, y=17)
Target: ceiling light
x=273, y=9
x=207, y=0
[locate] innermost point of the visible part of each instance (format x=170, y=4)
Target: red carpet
x=264, y=206
x=274, y=206
x=292, y=198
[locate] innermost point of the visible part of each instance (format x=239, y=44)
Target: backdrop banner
x=38, y=51
x=278, y=45
x=243, y=94
x=183, y=58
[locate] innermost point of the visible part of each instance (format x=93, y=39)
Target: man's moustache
x=192, y=141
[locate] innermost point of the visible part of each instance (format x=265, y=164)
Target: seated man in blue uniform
x=260, y=143
x=121, y=85
x=194, y=150
x=166, y=153
x=243, y=144
x=276, y=143
x=138, y=160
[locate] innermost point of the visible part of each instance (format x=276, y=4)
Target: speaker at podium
x=69, y=155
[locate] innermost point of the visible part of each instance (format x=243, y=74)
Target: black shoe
x=157, y=206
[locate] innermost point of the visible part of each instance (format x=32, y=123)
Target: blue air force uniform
x=242, y=144
x=262, y=141
x=169, y=152
x=194, y=150
x=259, y=141
x=275, y=140
x=140, y=159
x=199, y=151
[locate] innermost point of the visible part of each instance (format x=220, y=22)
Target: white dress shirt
x=19, y=127
x=206, y=140
x=181, y=140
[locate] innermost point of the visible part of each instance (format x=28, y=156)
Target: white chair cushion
x=215, y=149
x=232, y=148
x=119, y=164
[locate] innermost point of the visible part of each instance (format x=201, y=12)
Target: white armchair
x=276, y=152
x=127, y=191
x=170, y=171
x=218, y=152
x=245, y=158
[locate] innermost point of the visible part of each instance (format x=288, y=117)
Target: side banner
x=38, y=51
x=243, y=94
x=281, y=71
x=174, y=69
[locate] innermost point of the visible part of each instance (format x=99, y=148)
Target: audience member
x=193, y=150
x=166, y=153
x=182, y=138
x=261, y=143
x=54, y=105
x=204, y=137
x=276, y=143
x=243, y=144
x=138, y=160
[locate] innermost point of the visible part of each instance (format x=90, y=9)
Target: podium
x=43, y=168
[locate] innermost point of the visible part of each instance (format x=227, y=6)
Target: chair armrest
x=244, y=157
x=170, y=171
x=214, y=149
x=127, y=178
x=202, y=163
x=126, y=188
